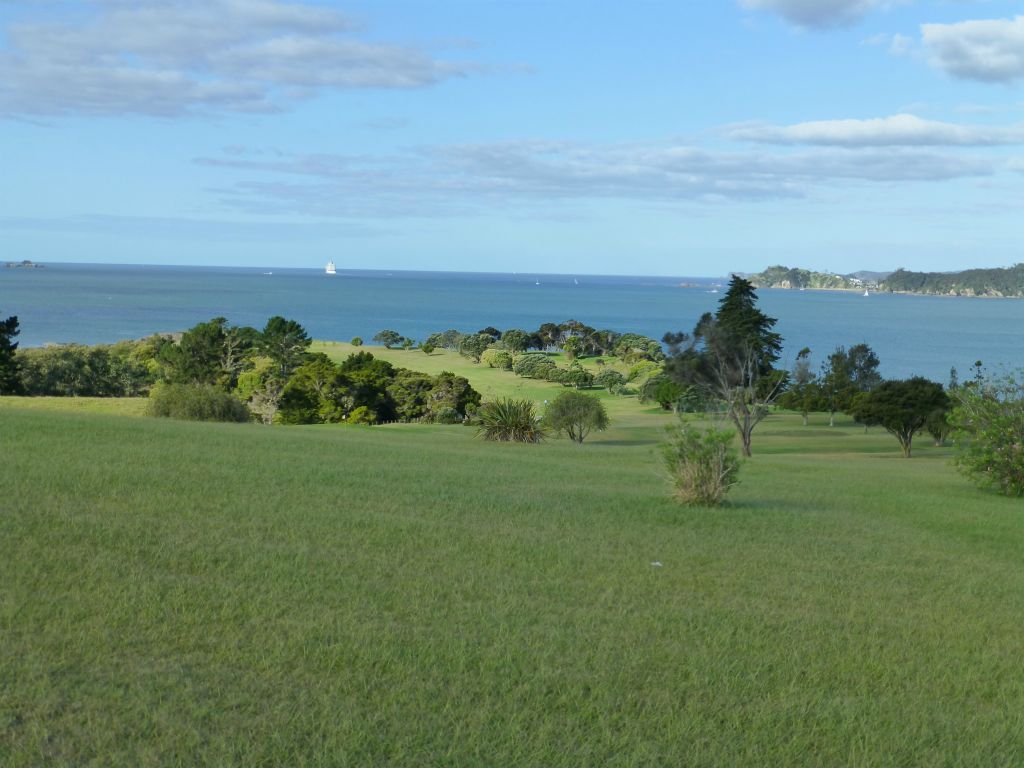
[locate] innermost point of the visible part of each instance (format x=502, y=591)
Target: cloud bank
x=897, y=130
x=818, y=14
x=175, y=57
x=465, y=178
x=987, y=50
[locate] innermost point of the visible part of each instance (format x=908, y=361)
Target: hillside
x=996, y=283
x=795, y=278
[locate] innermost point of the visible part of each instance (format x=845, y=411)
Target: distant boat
x=329, y=269
x=268, y=273
x=537, y=283
x=713, y=290
x=575, y=281
x=866, y=292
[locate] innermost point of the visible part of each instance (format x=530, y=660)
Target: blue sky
x=577, y=137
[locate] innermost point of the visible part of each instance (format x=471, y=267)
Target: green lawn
x=181, y=594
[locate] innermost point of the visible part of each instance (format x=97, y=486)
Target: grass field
x=201, y=594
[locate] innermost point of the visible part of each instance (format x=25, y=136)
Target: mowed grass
x=200, y=594
x=121, y=406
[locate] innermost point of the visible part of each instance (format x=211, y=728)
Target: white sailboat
x=866, y=292
x=329, y=269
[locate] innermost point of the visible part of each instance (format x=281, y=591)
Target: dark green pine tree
x=744, y=325
x=10, y=382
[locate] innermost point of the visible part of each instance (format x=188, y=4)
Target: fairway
x=176, y=593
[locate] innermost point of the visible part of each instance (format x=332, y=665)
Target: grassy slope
x=176, y=593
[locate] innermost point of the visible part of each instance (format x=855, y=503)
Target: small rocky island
x=26, y=264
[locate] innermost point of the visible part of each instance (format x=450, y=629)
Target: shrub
x=988, y=424
x=507, y=420
x=703, y=464
x=497, y=358
x=362, y=415
x=576, y=415
x=532, y=366
x=556, y=375
x=427, y=348
x=357, y=341
x=448, y=416
x=662, y=390
x=195, y=402
x=578, y=377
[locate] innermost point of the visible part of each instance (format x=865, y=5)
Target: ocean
x=94, y=303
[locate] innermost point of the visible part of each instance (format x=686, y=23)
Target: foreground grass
x=183, y=594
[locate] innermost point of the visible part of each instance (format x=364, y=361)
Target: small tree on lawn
x=576, y=414
x=388, y=338
x=473, y=345
x=611, y=380
x=988, y=423
x=902, y=407
x=803, y=394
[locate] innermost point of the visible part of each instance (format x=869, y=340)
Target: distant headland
x=999, y=282
x=26, y=264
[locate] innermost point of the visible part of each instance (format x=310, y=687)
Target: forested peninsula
x=999, y=282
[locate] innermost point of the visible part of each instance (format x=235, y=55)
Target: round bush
x=195, y=402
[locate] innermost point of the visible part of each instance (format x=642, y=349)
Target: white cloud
x=989, y=50
x=897, y=130
x=167, y=57
x=469, y=177
x=818, y=14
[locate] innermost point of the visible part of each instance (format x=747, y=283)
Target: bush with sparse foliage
x=497, y=358
x=988, y=424
x=195, y=402
x=703, y=464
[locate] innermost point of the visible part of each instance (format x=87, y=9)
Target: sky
x=645, y=138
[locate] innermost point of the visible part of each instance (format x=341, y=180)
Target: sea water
x=89, y=304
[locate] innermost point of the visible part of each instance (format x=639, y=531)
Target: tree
x=662, y=390
x=198, y=356
x=846, y=374
x=573, y=347
x=902, y=407
x=577, y=376
x=988, y=422
x=10, y=383
x=730, y=357
x=473, y=345
x=611, y=380
x=285, y=342
x=515, y=340
x=576, y=414
x=803, y=393
x=388, y=338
